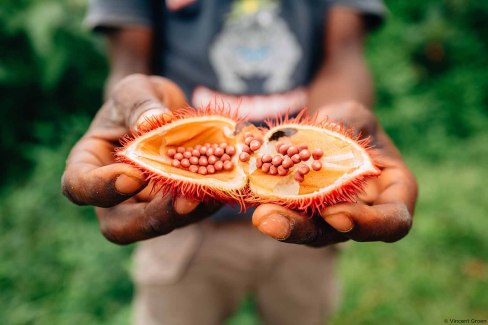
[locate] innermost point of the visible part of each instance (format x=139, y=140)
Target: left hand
x=384, y=212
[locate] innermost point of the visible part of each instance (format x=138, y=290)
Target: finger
x=170, y=93
x=131, y=221
x=101, y=186
x=135, y=97
x=389, y=218
x=293, y=227
x=138, y=97
x=384, y=222
x=370, y=192
x=92, y=178
x=183, y=205
x=396, y=182
x=353, y=115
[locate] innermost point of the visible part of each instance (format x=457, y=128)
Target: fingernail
x=340, y=222
x=151, y=113
x=184, y=206
x=276, y=226
x=127, y=185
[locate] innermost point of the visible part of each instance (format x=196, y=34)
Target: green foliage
x=55, y=266
x=50, y=68
x=439, y=270
x=429, y=63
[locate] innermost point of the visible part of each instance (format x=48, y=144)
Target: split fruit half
x=208, y=153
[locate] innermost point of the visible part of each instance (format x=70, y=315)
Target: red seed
x=180, y=149
x=265, y=167
x=267, y=158
x=178, y=156
x=255, y=145
x=248, y=135
x=317, y=154
x=296, y=158
x=208, y=145
x=171, y=153
x=202, y=170
x=225, y=157
x=203, y=161
x=316, y=165
x=273, y=170
x=175, y=163
x=185, y=163
x=259, y=163
x=304, y=155
x=244, y=156
x=246, y=148
x=298, y=177
x=193, y=168
x=230, y=150
x=212, y=160
x=223, y=145
x=194, y=160
x=278, y=145
x=211, y=169
x=214, y=146
x=277, y=160
x=302, y=147
x=228, y=165
x=284, y=149
x=198, y=146
x=282, y=171
x=218, y=152
x=203, y=150
x=189, y=149
x=210, y=152
x=287, y=162
x=303, y=169
x=292, y=151
x=219, y=165
x=187, y=154
x=195, y=152
x=248, y=140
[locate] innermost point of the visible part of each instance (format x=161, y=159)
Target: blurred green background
x=430, y=63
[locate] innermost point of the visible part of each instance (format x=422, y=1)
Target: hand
x=384, y=212
x=127, y=210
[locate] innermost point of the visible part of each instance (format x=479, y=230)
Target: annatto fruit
x=299, y=163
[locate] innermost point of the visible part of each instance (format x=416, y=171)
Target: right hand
x=384, y=211
x=127, y=209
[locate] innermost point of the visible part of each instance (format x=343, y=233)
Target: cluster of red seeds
x=288, y=157
x=203, y=159
x=251, y=144
x=210, y=158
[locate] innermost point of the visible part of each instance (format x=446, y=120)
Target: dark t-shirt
x=258, y=54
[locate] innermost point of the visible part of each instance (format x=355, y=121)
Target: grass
x=57, y=269
x=439, y=270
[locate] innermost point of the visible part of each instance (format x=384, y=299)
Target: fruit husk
x=245, y=185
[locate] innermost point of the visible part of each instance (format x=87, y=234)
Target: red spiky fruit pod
x=298, y=163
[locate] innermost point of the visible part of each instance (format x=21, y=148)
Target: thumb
x=184, y=205
x=138, y=97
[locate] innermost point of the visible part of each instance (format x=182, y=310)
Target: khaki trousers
x=200, y=274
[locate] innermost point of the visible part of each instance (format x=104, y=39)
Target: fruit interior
x=342, y=160
x=150, y=150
